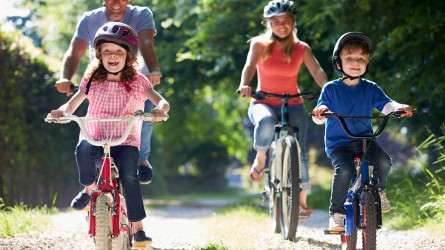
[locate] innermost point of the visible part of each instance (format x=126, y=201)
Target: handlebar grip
x=57, y=120
x=74, y=88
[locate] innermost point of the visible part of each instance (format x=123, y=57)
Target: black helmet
x=279, y=7
x=118, y=33
x=341, y=41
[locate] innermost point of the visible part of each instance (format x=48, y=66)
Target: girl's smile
x=113, y=57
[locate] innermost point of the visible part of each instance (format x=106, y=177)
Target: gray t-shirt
x=138, y=18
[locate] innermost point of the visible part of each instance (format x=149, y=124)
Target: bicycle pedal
x=303, y=217
x=141, y=245
x=327, y=231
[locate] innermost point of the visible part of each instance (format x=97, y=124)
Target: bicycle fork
x=108, y=187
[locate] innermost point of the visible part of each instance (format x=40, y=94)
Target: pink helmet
x=118, y=33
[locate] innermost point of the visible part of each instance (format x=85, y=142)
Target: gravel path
x=180, y=226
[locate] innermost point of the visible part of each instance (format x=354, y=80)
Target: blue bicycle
x=363, y=207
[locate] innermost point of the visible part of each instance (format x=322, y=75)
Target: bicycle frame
x=108, y=183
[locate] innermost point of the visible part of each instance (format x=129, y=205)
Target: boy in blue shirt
x=353, y=95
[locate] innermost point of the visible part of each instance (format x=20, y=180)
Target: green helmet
x=279, y=7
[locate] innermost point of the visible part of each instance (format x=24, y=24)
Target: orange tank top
x=278, y=75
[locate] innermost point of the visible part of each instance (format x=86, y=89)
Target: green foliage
x=20, y=219
x=420, y=200
x=29, y=148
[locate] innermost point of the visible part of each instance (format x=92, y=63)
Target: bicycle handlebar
x=261, y=95
x=377, y=133
x=131, y=120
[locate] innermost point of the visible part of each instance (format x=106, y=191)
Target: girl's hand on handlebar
x=157, y=111
x=56, y=113
x=245, y=91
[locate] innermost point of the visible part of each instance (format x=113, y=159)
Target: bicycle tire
x=103, y=222
x=369, y=221
x=123, y=240
x=349, y=242
x=290, y=196
x=274, y=210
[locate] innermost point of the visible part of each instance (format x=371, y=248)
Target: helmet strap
x=279, y=39
x=101, y=68
x=346, y=76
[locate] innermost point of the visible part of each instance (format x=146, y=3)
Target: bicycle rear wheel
x=274, y=206
x=369, y=221
x=103, y=223
x=290, y=197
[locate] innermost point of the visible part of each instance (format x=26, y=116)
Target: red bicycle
x=108, y=221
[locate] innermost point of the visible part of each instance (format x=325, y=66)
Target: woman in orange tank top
x=276, y=56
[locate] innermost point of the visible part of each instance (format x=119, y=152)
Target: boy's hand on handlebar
x=405, y=108
x=245, y=91
x=64, y=86
x=318, y=112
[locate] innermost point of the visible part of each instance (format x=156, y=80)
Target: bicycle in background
x=363, y=207
x=282, y=189
x=108, y=221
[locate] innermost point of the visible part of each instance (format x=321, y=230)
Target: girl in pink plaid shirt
x=114, y=88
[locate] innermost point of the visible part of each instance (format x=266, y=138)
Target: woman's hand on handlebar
x=245, y=91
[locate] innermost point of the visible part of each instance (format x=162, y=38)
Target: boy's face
x=113, y=57
x=354, y=61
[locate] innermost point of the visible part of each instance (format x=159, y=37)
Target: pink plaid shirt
x=110, y=99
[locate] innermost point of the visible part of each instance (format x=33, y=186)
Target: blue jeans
x=264, y=118
x=343, y=163
x=126, y=157
x=147, y=129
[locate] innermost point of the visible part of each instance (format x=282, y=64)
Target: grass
x=228, y=228
x=19, y=219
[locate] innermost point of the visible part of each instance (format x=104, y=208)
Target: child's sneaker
x=337, y=222
x=384, y=203
x=81, y=200
x=141, y=241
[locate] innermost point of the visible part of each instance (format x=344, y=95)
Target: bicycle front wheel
x=123, y=240
x=349, y=242
x=103, y=222
x=274, y=205
x=290, y=197
x=369, y=221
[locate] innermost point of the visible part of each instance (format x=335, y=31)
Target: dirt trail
x=179, y=226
